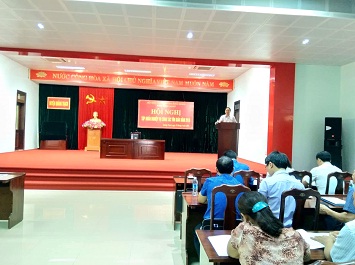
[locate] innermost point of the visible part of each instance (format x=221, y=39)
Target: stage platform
x=84, y=170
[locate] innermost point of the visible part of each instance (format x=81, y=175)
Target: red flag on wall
x=95, y=99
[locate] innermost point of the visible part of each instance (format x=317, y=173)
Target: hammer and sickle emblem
x=90, y=99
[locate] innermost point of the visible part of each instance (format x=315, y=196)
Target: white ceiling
x=160, y=31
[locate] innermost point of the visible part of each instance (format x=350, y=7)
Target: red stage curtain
x=95, y=99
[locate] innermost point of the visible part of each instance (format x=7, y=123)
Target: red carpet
x=76, y=169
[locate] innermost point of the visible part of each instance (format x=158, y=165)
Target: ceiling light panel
x=137, y=71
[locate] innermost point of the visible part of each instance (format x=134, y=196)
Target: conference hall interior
x=157, y=75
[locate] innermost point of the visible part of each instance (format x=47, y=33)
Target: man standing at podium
x=226, y=117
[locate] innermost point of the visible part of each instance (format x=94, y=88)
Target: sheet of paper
x=220, y=243
x=307, y=236
x=334, y=200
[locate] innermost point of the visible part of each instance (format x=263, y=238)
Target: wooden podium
x=93, y=140
x=227, y=137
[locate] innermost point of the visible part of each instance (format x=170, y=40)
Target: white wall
x=252, y=89
x=347, y=110
x=317, y=95
x=14, y=77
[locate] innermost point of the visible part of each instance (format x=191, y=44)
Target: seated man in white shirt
x=227, y=117
x=320, y=173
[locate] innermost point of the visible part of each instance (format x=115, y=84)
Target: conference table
x=132, y=149
x=179, y=189
x=12, y=197
x=192, y=215
x=208, y=254
x=177, y=206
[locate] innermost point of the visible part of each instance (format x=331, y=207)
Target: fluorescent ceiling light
x=70, y=67
x=131, y=2
x=202, y=74
x=138, y=71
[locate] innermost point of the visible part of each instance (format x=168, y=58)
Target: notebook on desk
x=333, y=201
x=307, y=236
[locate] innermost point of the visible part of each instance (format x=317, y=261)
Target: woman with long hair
x=262, y=239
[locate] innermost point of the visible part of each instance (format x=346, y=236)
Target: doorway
x=236, y=110
x=236, y=115
x=20, y=120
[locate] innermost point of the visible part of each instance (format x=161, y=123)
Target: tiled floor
x=92, y=228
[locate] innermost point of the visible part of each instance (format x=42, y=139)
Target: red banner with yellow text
x=160, y=114
x=130, y=80
x=58, y=103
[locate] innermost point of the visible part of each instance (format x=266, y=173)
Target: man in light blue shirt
x=343, y=250
x=339, y=246
x=278, y=182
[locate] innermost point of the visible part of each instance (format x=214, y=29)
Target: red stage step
x=81, y=170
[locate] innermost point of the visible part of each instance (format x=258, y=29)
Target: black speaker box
x=337, y=161
x=332, y=143
x=334, y=148
x=332, y=128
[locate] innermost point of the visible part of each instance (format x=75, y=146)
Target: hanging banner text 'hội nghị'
x=158, y=114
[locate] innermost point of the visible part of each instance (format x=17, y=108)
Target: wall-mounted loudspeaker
x=332, y=139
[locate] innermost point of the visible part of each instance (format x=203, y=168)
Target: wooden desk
x=208, y=255
x=132, y=149
x=11, y=197
x=192, y=214
x=179, y=189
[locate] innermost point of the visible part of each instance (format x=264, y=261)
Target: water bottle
x=194, y=187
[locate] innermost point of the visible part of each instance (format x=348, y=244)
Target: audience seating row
x=343, y=180
x=300, y=196
x=233, y=191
